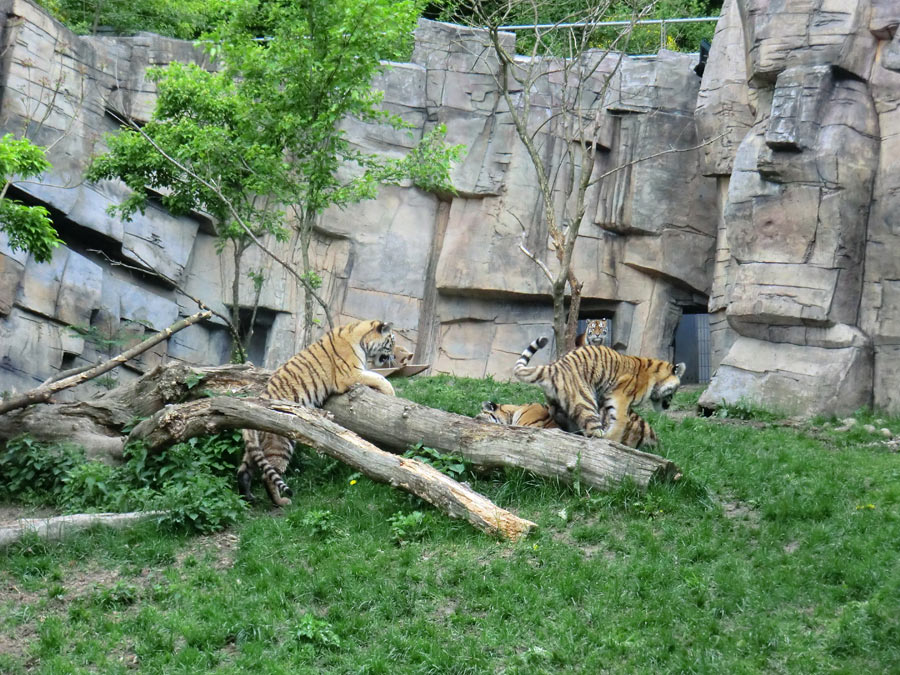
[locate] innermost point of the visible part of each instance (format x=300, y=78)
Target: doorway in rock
x=586, y=316
x=262, y=324
x=692, y=345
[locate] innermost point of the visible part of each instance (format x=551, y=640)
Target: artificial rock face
x=795, y=245
x=776, y=213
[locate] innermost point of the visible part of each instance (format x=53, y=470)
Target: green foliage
x=406, y=527
x=318, y=631
x=28, y=228
x=35, y=472
x=448, y=464
x=200, y=502
x=319, y=522
x=192, y=480
x=643, y=40
x=185, y=19
x=428, y=164
x=89, y=486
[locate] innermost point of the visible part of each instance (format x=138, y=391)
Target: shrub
x=33, y=472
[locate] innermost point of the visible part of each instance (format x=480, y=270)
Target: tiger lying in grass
x=638, y=432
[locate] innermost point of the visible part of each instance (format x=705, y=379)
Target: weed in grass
x=317, y=631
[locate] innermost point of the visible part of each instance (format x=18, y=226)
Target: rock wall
x=806, y=253
x=779, y=224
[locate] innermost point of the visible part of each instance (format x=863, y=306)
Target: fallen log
x=177, y=423
x=398, y=423
x=58, y=527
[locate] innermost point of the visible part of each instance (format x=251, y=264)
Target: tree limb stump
x=177, y=423
x=398, y=423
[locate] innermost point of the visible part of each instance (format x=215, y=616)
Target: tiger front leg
x=376, y=381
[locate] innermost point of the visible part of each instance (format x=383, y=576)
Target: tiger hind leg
x=271, y=457
x=583, y=414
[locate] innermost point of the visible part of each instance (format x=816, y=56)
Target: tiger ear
x=384, y=328
x=679, y=369
x=488, y=406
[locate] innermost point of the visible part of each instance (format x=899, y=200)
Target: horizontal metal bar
x=586, y=24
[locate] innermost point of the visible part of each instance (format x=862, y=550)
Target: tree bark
x=570, y=458
x=97, y=424
x=180, y=422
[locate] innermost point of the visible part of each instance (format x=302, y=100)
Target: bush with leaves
x=27, y=228
x=191, y=481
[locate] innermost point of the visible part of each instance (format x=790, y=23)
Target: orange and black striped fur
x=595, y=387
x=526, y=415
x=594, y=334
x=638, y=432
x=330, y=366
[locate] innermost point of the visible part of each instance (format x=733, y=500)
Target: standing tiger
x=638, y=432
x=594, y=334
x=595, y=387
x=330, y=366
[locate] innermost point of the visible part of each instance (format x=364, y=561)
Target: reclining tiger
x=593, y=388
x=638, y=432
x=330, y=366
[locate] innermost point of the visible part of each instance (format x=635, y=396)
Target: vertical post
x=662, y=34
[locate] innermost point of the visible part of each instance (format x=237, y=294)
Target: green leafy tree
x=313, y=69
x=199, y=152
x=28, y=228
x=185, y=19
x=262, y=134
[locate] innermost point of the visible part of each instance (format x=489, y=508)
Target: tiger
x=638, y=432
x=330, y=366
x=594, y=387
x=594, y=334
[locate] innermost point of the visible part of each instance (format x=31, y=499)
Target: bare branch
x=44, y=392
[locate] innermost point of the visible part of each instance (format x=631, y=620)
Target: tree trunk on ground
x=98, y=425
x=61, y=526
x=594, y=462
x=180, y=422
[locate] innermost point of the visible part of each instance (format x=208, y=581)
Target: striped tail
x=521, y=369
x=272, y=480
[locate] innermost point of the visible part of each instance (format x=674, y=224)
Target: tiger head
x=377, y=341
x=665, y=387
x=398, y=358
x=525, y=415
x=495, y=412
x=596, y=332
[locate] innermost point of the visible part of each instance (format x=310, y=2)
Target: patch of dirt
x=738, y=510
x=220, y=547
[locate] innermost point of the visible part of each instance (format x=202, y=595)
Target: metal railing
x=642, y=22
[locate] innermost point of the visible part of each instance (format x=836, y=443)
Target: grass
x=777, y=552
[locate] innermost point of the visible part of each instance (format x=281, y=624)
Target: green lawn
x=778, y=551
